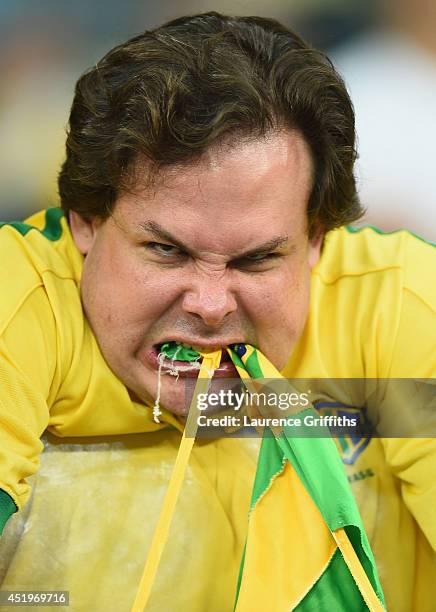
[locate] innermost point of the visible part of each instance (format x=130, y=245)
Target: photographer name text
x=308, y=420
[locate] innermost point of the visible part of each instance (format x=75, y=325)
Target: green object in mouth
x=178, y=352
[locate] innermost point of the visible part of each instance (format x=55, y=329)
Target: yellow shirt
x=96, y=494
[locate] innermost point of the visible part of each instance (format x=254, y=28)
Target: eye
x=259, y=257
x=164, y=250
x=256, y=260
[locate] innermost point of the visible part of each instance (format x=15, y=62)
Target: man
x=207, y=164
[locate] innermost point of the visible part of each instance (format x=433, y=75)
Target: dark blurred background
x=385, y=49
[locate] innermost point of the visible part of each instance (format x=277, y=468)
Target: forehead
x=259, y=184
x=244, y=161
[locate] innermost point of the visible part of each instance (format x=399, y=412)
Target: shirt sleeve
x=27, y=365
x=413, y=458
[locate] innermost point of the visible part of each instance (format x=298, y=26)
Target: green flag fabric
x=306, y=547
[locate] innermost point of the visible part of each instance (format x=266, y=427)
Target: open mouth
x=184, y=360
x=179, y=351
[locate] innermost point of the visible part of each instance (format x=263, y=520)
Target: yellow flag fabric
x=306, y=547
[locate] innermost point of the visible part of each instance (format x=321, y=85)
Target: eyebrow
x=157, y=231
x=160, y=233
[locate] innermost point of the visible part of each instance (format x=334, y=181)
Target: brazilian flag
x=306, y=548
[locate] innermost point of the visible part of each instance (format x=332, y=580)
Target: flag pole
x=209, y=364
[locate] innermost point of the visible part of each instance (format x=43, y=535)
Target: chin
x=175, y=396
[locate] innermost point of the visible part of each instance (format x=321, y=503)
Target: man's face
x=216, y=253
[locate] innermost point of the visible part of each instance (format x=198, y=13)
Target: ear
x=83, y=231
x=315, y=247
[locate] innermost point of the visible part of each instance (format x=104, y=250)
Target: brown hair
x=169, y=94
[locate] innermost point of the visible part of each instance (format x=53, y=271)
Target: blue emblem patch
x=350, y=446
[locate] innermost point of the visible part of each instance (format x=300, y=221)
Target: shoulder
x=38, y=252
x=44, y=240
x=398, y=259
x=373, y=304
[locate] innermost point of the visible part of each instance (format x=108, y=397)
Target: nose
x=211, y=299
